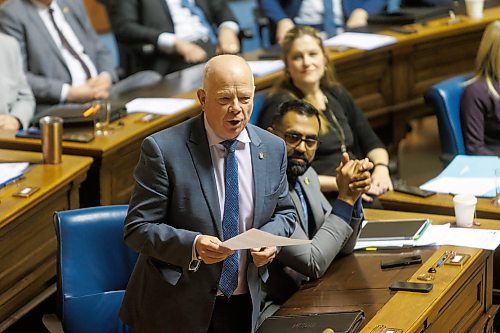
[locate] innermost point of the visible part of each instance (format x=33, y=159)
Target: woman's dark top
x=359, y=136
x=480, y=118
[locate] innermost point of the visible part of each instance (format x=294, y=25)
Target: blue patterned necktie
x=300, y=194
x=203, y=19
x=328, y=18
x=231, y=219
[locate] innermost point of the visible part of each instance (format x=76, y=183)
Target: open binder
x=340, y=322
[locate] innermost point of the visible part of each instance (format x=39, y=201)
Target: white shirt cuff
x=230, y=25
x=64, y=92
x=166, y=42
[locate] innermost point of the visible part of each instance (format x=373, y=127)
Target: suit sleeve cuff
x=343, y=210
x=358, y=209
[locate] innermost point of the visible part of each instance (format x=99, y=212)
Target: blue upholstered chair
x=445, y=98
x=258, y=103
x=93, y=268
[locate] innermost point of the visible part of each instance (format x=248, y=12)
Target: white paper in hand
x=255, y=238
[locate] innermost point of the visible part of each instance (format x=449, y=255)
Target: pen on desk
x=443, y=258
x=91, y=110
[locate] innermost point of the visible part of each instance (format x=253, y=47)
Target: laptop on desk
x=409, y=15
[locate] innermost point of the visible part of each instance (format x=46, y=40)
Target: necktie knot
x=230, y=145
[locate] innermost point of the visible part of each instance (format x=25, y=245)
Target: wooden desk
x=460, y=299
x=115, y=156
x=387, y=83
x=436, y=204
x=27, y=237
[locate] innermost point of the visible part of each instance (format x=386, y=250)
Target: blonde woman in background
x=480, y=105
x=309, y=76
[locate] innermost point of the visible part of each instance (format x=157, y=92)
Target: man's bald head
x=225, y=64
x=227, y=95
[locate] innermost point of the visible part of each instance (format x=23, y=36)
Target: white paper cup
x=474, y=9
x=465, y=206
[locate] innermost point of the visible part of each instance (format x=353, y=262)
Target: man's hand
x=263, y=256
x=191, y=52
x=358, y=18
x=8, y=122
x=209, y=249
x=228, y=42
x=85, y=93
x=282, y=28
x=353, y=178
x=101, y=82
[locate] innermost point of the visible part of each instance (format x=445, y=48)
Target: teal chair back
x=445, y=98
x=93, y=268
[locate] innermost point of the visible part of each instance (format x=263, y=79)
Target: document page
x=11, y=171
x=254, y=238
x=357, y=40
x=161, y=106
x=265, y=67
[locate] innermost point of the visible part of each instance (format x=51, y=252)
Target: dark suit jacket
x=277, y=10
x=332, y=235
x=140, y=22
x=174, y=199
x=46, y=69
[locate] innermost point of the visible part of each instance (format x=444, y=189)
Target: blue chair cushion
x=445, y=98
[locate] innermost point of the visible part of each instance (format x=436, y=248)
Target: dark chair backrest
x=445, y=98
x=258, y=103
x=93, y=267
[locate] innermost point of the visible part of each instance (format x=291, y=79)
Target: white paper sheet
x=254, y=238
x=357, y=40
x=443, y=235
x=461, y=185
x=265, y=67
x=478, y=238
x=11, y=171
x=162, y=106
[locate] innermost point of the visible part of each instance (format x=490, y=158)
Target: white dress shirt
x=187, y=26
x=246, y=189
x=311, y=13
x=78, y=75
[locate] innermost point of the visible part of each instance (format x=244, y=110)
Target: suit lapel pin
x=307, y=181
x=261, y=155
x=65, y=10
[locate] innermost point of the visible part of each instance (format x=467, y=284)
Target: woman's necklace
x=337, y=128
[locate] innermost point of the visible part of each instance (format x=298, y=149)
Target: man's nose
x=301, y=146
x=235, y=106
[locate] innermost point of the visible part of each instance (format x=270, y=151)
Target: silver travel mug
x=52, y=129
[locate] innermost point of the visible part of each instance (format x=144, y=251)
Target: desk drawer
x=463, y=308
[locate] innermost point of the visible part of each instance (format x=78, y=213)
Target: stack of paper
x=162, y=106
x=467, y=174
x=443, y=235
x=10, y=172
x=359, y=40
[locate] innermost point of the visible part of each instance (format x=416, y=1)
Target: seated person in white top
x=180, y=33
x=328, y=16
x=65, y=60
x=331, y=229
x=17, y=104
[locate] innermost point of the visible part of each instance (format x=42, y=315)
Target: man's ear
x=200, y=93
x=271, y=129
